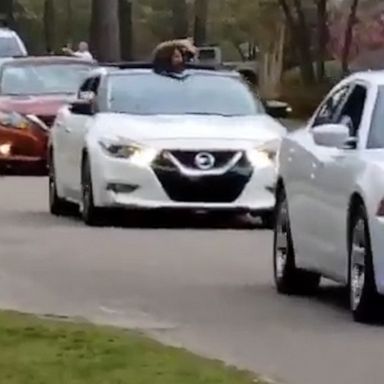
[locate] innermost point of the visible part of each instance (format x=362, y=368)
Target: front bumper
x=23, y=164
x=120, y=184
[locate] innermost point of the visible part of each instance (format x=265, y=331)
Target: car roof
x=125, y=72
x=375, y=77
x=140, y=68
x=6, y=32
x=46, y=60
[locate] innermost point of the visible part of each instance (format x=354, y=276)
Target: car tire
x=57, y=205
x=363, y=295
x=288, y=278
x=90, y=214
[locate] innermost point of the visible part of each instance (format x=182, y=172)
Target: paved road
x=209, y=290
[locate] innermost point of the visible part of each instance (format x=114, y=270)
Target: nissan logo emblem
x=204, y=161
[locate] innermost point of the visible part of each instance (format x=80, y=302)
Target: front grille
x=47, y=120
x=187, y=158
x=208, y=188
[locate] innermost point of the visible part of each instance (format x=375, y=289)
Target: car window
x=40, y=79
x=89, y=89
x=376, y=131
x=351, y=113
x=201, y=94
x=10, y=47
x=330, y=106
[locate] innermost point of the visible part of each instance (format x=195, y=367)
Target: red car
x=31, y=92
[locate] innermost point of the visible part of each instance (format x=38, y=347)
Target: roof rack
x=149, y=65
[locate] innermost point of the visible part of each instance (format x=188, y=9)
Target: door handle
x=67, y=129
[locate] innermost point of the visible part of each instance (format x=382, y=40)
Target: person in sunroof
x=171, y=56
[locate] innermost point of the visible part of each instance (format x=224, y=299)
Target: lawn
x=40, y=351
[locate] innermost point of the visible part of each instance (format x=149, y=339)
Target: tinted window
x=376, y=132
x=328, y=110
x=152, y=94
x=37, y=79
x=9, y=47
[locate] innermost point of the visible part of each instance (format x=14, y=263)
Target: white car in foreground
x=330, y=197
x=136, y=139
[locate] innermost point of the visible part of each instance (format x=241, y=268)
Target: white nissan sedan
x=330, y=197
x=136, y=139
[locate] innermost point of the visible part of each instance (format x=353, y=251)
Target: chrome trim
x=212, y=172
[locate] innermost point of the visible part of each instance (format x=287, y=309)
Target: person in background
x=82, y=52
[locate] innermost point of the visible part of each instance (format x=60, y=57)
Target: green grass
x=39, y=351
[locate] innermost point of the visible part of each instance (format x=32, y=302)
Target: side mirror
x=278, y=109
x=331, y=135
x=82, y=107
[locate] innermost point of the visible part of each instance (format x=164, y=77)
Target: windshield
x=376, y=132
x=9, y=47
x=41, y=79
x=202, y=94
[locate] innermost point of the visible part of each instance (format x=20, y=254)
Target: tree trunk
x=180, y=18
x=69, y=21
x=105, y=33
x=126, y=29
x=201, y=19
x=321, y=38
x=49, y=25
x=300, y=37
x=6, y=12
x=271, y=67
x=348, y=37
x=304, y=41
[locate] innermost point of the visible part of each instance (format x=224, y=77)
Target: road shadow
x=174, y=220
x=331, y=301
x=133, y=220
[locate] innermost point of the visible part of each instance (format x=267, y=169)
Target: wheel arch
x=355, y=201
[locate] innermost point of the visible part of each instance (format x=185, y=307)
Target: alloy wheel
x=281, y=244
x=357, y=268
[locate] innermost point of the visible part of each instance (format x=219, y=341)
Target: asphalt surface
x=204, y=288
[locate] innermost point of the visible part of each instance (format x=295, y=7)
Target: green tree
x=348, y=35
x=126, y=28
x=105, y=32
x=49, y=25
x=6, y=11
x=201, y=19
x=180, y=18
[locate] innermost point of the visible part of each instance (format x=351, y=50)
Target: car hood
x=47, y=105
x=191, y=130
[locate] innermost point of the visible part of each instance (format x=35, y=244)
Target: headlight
x=265, y=154
x=14, y=120
x=5, y=149
x=135, y=153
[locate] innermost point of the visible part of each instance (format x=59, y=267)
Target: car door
x=334, y=170
x=79, y=128
x=66, y=126
x=59, y=138
x=306, y=157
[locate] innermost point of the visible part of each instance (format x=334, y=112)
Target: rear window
x=10, y=46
